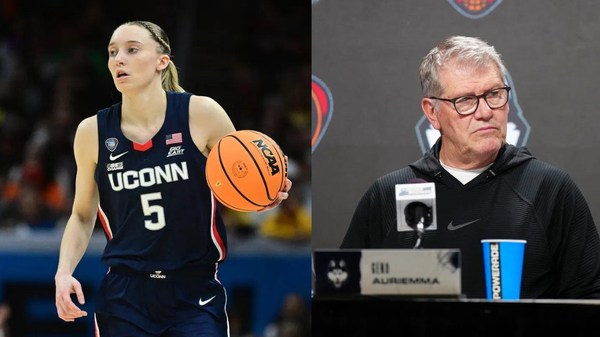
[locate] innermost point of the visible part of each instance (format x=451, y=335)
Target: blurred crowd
x=253, y=58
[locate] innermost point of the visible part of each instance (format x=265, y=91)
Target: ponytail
x=170, y=78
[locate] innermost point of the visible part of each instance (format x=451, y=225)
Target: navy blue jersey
x=155, y=205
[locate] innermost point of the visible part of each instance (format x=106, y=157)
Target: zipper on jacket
x=492, y=174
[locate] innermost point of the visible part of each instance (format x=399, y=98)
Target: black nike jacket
x=518, y=197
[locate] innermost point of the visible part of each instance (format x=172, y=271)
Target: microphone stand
x=420, y=229
x=418, y=217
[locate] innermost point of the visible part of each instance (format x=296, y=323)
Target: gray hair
x=469, y=52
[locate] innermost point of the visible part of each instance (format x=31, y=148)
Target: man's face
x=476, y=137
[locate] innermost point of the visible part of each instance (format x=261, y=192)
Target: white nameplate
x=410, y=271
x=388, y=271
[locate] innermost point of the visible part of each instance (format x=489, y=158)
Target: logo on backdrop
x=517, y=130
x=475, y=9
x=322, y=108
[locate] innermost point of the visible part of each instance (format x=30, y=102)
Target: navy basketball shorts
x=177, y=303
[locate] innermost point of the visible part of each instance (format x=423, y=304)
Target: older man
x=486, y=188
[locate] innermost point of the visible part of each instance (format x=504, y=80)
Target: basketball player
x=141, y=167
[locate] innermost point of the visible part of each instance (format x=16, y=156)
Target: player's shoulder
x=88, y=126
x=205, y=112
x=204, y=106
x=86, y=140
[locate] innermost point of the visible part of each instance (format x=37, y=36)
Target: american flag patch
x=174, y=138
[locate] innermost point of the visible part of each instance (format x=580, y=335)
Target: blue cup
x=503, y=265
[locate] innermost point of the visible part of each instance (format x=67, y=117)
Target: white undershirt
x=464, y=176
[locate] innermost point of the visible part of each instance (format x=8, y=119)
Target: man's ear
x=428, y=106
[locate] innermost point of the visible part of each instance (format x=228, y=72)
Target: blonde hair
x=169, y=77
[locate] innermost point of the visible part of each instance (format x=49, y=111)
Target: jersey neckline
x=146, y=146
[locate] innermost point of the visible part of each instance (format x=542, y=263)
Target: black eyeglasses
x=466, y=105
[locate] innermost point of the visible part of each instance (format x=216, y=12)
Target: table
x=406, y=316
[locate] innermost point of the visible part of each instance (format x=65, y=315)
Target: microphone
x=418, y=216
x=416, y=202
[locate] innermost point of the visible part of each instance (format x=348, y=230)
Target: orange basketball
x=245, y=170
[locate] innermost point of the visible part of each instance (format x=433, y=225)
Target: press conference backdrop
x=367, y=119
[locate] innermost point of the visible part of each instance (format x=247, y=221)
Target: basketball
x=245, y=170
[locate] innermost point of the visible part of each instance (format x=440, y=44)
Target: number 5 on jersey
x=149, y=209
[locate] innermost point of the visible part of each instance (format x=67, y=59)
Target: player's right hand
x=65, y=286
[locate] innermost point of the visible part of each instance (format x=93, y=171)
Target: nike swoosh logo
x=453, y=228
x=208, y=300
x=117, y=157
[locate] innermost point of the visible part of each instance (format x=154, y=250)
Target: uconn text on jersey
x=148, y=176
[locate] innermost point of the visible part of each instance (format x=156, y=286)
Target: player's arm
x=81, y=222
x=208, y=124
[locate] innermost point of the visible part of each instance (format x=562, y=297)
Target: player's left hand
x=281, y=196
